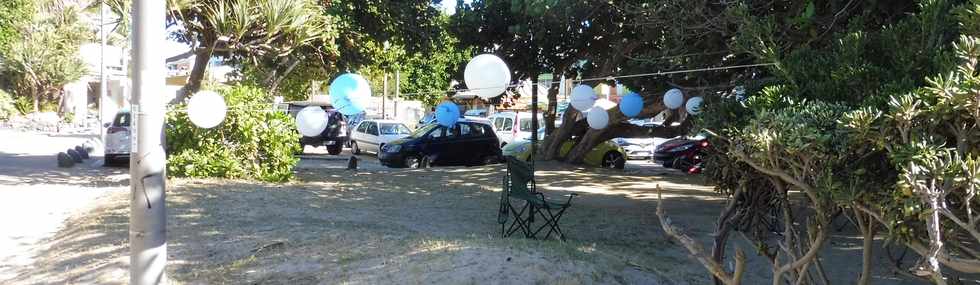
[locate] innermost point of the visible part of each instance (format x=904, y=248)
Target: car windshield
x=418, y=133
x=122, y=120
x=394, y=129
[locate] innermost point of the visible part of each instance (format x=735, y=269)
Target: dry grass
x=397, y=227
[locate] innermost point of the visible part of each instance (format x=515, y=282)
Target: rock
x=64, y=160
x=74, y=155
x=81, y=151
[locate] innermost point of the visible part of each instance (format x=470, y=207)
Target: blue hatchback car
x=467, y=143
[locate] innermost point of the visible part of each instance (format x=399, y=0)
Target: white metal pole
x=384, y=95
x=398, y=80
x=148, y=220
x=103, y=90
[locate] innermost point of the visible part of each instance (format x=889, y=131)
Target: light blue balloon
x=349, y=93
x=447, y=113
x=631, y=105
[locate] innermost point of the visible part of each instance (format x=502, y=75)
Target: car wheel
x=490, y=159
x=613, y=160
x=354, y=148
x=416, y=162
x=108, y=160
x=335, y=149
x=682, y=164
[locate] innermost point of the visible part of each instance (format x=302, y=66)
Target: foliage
x=251, y=143
x=856, y=119
x=23, y=105
x=11, y=13
x=45, y=56
x=271, y=34
x=7, y=107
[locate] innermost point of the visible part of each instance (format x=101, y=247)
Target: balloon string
x=659, y=73
x=243, y=107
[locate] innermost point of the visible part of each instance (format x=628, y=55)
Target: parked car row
x=476, y=139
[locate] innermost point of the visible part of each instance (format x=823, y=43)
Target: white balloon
x=311, y=121
x=487, y=75
x=598, y=118
x=206, y=109
x=694, y=105
x=674, y=98
x=583, y=97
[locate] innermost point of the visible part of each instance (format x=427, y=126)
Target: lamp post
x=148, y=219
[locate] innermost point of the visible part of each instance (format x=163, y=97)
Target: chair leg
x=520, y=222
x=552, y=222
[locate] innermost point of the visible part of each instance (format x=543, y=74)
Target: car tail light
x=114, y=130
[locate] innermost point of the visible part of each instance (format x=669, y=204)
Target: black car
x=334, y=137
x=681, y=153
x=466, y=143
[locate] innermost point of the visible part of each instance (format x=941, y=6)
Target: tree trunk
x=197, y=75
x=551, y=113
x=619, y=127
x=933, y=227
x=275, y=78
x=867, y=228
x=37, y=102
x=553, y=142
x=724, y=227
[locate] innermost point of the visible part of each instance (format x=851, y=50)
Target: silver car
x=371, y=135
x=118, y=138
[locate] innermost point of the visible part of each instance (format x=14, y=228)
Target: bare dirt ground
x=392, y=226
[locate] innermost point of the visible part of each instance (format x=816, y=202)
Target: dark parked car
x=681, y=153
x=334, y=137
x=467, y=143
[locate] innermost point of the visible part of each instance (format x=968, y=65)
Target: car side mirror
x=106, y=125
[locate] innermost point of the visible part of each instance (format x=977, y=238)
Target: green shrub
x=251, y=143
x=24, y=105
x=7, y=108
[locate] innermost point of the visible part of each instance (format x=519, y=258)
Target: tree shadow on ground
x=434, y=225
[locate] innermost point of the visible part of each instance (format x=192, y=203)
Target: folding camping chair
x=519, y=184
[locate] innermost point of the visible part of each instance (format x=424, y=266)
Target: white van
x=511, y=126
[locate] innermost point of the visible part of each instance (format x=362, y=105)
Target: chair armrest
x=570, y=196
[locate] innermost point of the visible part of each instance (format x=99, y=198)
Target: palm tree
x=267, y=31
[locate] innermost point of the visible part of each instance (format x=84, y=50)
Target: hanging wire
x=659, y=73
x=267, y=107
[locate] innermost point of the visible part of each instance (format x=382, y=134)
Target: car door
x=436, y=146
x=371, y=137
x=358, y=135
x=506, y=131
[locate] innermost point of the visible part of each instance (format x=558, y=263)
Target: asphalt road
x=36, y=196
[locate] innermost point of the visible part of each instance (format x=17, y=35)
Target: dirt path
x=36, y=197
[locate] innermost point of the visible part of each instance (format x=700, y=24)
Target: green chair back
x=520, y=176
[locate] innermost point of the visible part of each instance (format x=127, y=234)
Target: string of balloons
x=487, y=76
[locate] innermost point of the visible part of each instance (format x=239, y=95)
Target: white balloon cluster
x=487, y=75
x=311, y=121
x=583, y=97
x=694, y=105
x=674, y=98
x=206, y=109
